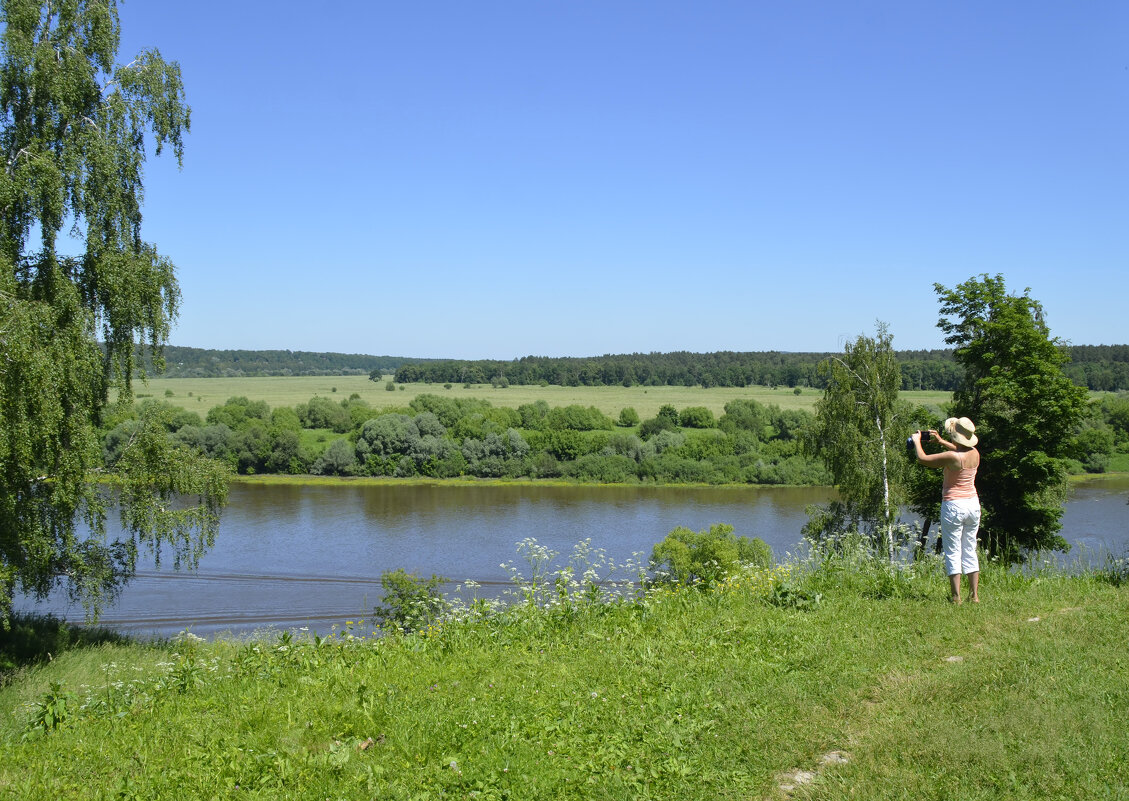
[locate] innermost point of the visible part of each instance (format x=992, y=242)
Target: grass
x=878, y=690
x=292, y=390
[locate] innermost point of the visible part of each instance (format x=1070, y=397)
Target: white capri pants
x=960, y=520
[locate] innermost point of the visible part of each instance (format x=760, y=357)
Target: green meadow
x=846, y=678
x=201, y=394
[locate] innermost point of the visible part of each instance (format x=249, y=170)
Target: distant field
x=201, y=394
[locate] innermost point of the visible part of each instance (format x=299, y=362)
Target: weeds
x=49, y=712
x=1114, y=572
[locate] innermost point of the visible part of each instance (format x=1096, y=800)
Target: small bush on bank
x=410, y=602
x=706, y=557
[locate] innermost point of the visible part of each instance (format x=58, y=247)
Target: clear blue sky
x=497, y=179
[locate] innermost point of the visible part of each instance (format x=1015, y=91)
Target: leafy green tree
x=628, y=417
x=858, y=431
x=666, y=440
x=238, y=412
x=656, y=425
x=252, y=447
x=533, y=414
x=285, y=418
x=577, y=418
x=1025, y=408
x=1115, y=410
x=1094, y=440
x=75, y=129
x=428, y=425
x=285, y=452
x=383, y=440
x=745, y=415
x=696, y=417
x=321, y=412
x=625, y=445
x=339, y=459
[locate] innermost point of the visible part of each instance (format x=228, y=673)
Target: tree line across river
x=1102, y=368
x=448, y=437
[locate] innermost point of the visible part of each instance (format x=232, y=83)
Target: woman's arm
x=945, y=459
x=949, y=446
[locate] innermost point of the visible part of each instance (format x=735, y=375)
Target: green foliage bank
x=444, y=437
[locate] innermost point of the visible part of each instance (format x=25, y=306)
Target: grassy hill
x=847, y=680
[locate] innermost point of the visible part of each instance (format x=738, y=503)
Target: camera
x=925, y=435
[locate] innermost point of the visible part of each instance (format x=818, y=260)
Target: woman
x=960, y=506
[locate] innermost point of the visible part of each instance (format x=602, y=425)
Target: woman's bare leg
x=954, y=587
x=974, y=586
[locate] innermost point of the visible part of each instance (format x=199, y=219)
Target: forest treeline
x=1096, y=367
x=183, y=362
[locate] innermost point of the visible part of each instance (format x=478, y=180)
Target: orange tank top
x=959, y=482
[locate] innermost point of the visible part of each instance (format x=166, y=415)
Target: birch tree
x=75, y=130
x=859, y=430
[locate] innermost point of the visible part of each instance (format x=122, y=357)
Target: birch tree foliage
x=859, y=432
x=75, y=130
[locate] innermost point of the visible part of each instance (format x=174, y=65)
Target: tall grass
x=833, y=676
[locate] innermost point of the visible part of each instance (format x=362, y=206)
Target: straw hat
x=962, y=431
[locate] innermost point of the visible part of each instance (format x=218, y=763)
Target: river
x=289, y=556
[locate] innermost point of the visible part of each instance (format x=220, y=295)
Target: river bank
x=739, y=693
x=306, y=479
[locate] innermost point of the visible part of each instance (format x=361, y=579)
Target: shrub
x=655, y=425
x=668, y=412
x=625, y=445
x=410, y=602
x=562, y=445
x=706, y=557
x=696, y=417
x=613, y=469
x=339, y=459
x=323, y=413
x=744, y=415
x=237, y=411
x=544, y=465
x=533, y=414
x=628, y=417
x=577, y=418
